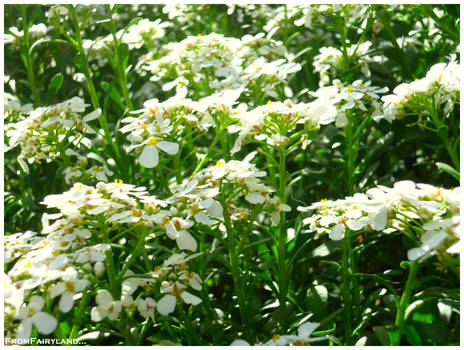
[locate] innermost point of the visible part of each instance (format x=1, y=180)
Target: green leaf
x=78, y=60
x=55, y=82
x=412, y=335
x=442, y=132
x=437, y=332
x=325, y=249
x=388, y=335
x=449, y=169
x=124, y=55
x=316, y=299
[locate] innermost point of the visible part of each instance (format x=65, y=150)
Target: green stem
x=120, y=70
x=208, y=153
x=77, y=320
x=86, y=68
x=405, y=298
x=234, y=265
x=27, y=58
x=350, y=154
x=188, y=324
x=346, y=292
x=282, y=245
x=444, y=135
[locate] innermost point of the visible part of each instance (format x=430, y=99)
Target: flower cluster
x=441, y=83
x=46, y=131
x=433, y=213
x=275, y=121
x=159, y=121
x=35, y=32
x=330, y=60
x=143, y=33
x=360, y=96
x=219, y=62
x=303, y=338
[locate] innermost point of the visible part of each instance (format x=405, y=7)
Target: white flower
x=149, y=157
x=146, y=308
x=30, y=315
x=167, y=303
x=70, y=286
x=106, y=307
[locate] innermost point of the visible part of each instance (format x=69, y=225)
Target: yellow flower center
x=69, y=286
x=195, y=209
x=275, y=337
x=136, y=212
x=166, y=219
x=269, y=103
x=220, y=163
x=349, y=89
x=152, y=141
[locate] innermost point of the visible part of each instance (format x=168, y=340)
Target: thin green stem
x=119, y=67
x=77, y=320
x=188, y=324
x=26, y=56
x=234, y=265
x=405, y=298
x=282, y=245
x=208, y=153
x=346, y=291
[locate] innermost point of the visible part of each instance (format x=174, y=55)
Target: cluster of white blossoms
x=359, y=96
x=219, y=63
x=275, y=122
x=198, y=196
x=168, y=120
x=330, y=60
x=13, y=108
x=82, y=171
x=143, y=33
x=16, y=37
x=432, y=213
x=69, y=252
x=45, y=132
x=441, y=83
x=303, y=338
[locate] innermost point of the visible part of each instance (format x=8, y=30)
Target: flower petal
x=185, y=241
x=149, y=157
x=44, y=322
x=166, y=304
x=190, y=298
x=168, y=147
x=66, y=301
x=337, y=232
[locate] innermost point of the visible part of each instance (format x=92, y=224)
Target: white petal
x=36, y=302
x=66, y=302
x=166, y=304
x=56, y=289
x=171, y=230
x=24, y=330
x=355, y=225
x=239, y=342
x=44, y=322
x=202, y=218
x=185, y=241
x=97, y=314
x=149, y=157
x=92, y=115
x=104, y=298
x=305, y=330
x=337, y=232
x=190, y=298
x=255, y=198
x=168, y=147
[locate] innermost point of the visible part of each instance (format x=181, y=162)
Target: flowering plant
x=244, y=174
